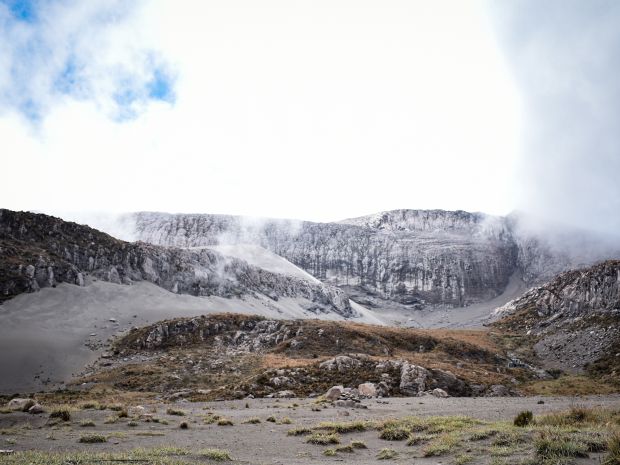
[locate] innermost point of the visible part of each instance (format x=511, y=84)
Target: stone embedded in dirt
x=437, y=392
x=35, y=409
x=175, y=396
x=21, y=405
x=137, y=411
x=284, y=394
x=367, y=389
x=278, y=381
x=334, y=393
x=349, y=403
x=498, y=390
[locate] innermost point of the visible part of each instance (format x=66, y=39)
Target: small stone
x=437, y=392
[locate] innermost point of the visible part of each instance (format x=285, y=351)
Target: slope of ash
x=40, y=251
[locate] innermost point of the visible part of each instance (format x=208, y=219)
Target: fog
x=565, y=57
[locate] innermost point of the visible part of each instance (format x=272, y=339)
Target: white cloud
x=319, y=110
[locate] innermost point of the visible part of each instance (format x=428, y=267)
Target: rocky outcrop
x=40, y=251
x=314, y=356
x=574, y=293
x=574, y=319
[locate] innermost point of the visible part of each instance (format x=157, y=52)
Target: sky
x=318, y=110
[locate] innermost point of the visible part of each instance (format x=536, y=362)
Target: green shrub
x=93, y=439
x=217, y=455
x=386, y=454
x=177, y=412
x=613, y=446
x=62, y=412
x=323, y=439
x=524, y=418
x=549, y=446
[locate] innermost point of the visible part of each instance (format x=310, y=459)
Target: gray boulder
x=367, y=390
x=341, y=363
x=334, y=393
x=21, y=405
x=413, y=379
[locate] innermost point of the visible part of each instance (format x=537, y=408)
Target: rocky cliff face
x=412, y=257
x=40, y=251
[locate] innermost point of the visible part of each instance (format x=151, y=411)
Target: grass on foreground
x=553, y=439
x=167, y=455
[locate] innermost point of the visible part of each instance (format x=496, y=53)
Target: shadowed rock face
x=39, y=251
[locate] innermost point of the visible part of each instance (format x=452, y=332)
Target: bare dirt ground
x=268, y=442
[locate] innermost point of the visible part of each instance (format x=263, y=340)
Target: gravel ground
x=266, y=442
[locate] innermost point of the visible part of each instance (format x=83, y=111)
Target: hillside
x=232, y=356
x=41, y=251
x=573, y=322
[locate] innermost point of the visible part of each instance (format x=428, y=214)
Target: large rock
x=367, y=390
x=413, y=379
x=334, y=393
x=340, y=363
x=447, y=381
x=498, y=390
x=137, y=411
x=21, y=405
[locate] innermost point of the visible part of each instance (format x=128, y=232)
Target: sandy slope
x=45, y=333
x=263, y=258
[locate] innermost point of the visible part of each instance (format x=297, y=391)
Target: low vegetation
x=217, y=455
x=93, y=439
x=386, y=454
x=323, y=439
x=62, y=413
